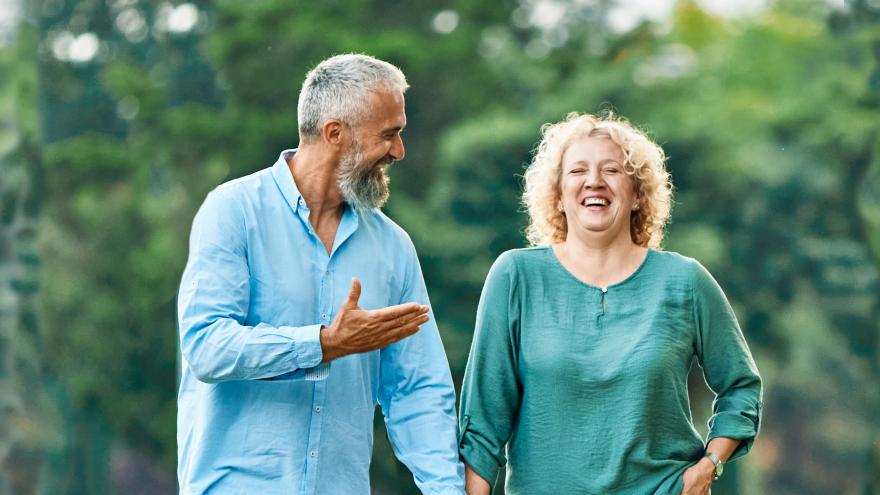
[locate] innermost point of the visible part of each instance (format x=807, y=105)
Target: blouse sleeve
x=491, y=391
x=727, y=365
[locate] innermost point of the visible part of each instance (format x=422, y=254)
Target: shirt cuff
x=475, y=456
x=306, y=345
x=738, y=426
x=482, y=463
x=307, y=355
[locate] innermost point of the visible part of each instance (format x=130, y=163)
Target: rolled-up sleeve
x=728, y=366
x=491, y=392
x=418, y=398
x=213, y=303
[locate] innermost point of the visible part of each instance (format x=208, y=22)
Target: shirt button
x=317, y=409
x=324, y=316
x=313, y=454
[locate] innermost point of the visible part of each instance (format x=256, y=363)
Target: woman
x=583, y=342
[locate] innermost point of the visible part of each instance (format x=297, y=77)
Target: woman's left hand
x=698, y=478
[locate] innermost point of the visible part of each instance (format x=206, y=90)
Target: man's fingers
x=411, y=329
x=405, y=331
x=411, y=326
x=389, y=334
x=407, y=319
x=392, y=313
x=383, y=327
x=354, y=294
x=395, y=333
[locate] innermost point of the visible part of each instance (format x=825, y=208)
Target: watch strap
x=719, y=466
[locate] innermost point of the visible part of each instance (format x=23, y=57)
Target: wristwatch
x=719, y=466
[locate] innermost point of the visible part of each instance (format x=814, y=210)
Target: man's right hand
x=359, y=330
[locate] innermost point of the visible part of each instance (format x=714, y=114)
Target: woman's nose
x=593, y=178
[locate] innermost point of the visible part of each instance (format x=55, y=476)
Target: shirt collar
x=284, y=179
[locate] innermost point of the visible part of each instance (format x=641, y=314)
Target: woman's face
x=596, y=193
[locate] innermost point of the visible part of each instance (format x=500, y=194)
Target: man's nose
x=397, y=151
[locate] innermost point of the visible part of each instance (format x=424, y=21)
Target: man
x=303, y=306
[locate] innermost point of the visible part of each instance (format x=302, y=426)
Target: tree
x=25, y=411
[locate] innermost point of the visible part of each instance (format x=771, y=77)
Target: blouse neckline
x=555, y=261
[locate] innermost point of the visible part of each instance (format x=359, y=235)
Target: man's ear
x=333, y=132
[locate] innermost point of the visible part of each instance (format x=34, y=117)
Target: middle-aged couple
x=303, y=306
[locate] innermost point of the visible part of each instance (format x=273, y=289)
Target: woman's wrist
x=706, y=467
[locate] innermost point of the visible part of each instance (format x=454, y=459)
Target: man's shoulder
x=387, y=228
x=246, y=185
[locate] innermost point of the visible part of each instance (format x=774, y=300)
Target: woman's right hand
x=697, y=479
x=474, y=484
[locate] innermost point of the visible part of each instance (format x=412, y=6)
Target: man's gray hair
x=339, y=88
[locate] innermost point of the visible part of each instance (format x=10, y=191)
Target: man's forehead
x=388, y=108
x=392, y=100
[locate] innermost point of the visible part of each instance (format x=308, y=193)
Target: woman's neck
x=600, y=264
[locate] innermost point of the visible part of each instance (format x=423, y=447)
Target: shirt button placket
x=324, y=299
x=325, y=292
x=315, y=429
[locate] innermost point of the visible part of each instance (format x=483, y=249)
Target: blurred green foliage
x=119, y=116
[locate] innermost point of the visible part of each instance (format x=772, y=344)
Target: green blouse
x=586, y=388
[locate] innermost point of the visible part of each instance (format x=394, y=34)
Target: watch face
x=719, y=469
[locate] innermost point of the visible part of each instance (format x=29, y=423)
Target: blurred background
x=118, y=116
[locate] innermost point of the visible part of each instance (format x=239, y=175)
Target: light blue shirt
x=257, y=411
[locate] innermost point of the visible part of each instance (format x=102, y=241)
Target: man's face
x=375, y=144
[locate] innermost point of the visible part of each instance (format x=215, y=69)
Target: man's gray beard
x=363, y=185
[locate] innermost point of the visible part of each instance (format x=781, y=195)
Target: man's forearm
x=225, y=350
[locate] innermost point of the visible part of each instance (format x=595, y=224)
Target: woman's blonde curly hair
x=644, y=162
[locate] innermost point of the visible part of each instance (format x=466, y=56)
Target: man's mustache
x=388, y=160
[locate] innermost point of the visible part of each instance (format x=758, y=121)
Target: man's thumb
x=354, y=294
